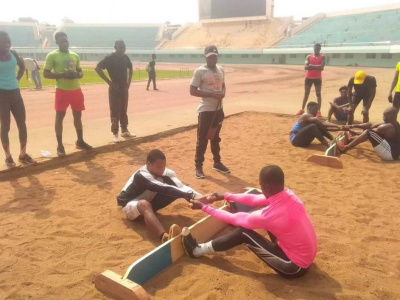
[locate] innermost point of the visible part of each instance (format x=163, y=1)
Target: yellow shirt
x=398, y=79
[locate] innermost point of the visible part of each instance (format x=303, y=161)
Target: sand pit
x=61, y=227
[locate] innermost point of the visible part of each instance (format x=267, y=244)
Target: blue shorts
x=341, y=117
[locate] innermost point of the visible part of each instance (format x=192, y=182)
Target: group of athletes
x=292, y=244
x=384, y=137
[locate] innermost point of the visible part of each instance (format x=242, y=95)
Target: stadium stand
x=357, y=29
x=136, y=36
x=22, y=34
x=247, y=34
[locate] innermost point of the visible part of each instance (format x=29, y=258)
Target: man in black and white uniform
x=151, y=188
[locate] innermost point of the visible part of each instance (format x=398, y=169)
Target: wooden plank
x=118, y=288
x=328, y=161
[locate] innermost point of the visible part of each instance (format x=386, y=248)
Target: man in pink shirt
x=293, y=244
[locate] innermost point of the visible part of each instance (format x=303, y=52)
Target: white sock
x=203, y=249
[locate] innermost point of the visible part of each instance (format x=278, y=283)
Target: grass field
x=90, y=76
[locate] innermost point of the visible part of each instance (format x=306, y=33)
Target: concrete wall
x=385, y=57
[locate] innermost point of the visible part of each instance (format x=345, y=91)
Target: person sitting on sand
x=151, y=188
x=293, y=243
x=340, y=106
x=308, y=127
x=384, y=137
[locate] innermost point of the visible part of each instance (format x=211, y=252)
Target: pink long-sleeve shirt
x=284, y=216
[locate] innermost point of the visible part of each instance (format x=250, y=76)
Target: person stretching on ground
x=293, y=243
x=340, y=106
x=151, y=188
x=308, y=127
x=384, y=137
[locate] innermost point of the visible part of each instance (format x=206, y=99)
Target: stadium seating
x=22, y=34
x=358, y=29
x=94, y=35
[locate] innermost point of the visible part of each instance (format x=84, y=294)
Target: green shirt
x=59, y=62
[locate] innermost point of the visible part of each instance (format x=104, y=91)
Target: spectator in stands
x=208, y=82
x=32, y=65
x=365, y=90
x=314, y=65
x=395, y=83
x=11, y=100
x=119, y=68
x=340, y=106
x=63, y=65
x=151, y=69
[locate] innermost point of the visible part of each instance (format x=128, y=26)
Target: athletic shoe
x=156, y=89
x=200, y=173
x=60, y=151
x=26, y=159
x=116, y=138
x=189, y=242
x=164, y=238
x=221, y=168
x=174, y=231
x=82, y=145
x=319, y=114
x=10, y=162
x=127, y=134
x=300, y=112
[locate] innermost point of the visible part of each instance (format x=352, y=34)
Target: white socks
x=203, y=249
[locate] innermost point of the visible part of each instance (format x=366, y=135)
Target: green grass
x=90, y=76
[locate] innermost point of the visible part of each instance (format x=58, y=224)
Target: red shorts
x=65, y=98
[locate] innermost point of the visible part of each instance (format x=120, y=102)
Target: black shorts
x=396, y=100
x=310, y=82
x=357, y=99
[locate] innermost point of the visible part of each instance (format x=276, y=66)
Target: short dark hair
x=155, y=154
x=118, y=42
x=272, y=174
x=4, y=34
x=311, y=105
x=317, y=45
x=60, y=34
x=344, y=87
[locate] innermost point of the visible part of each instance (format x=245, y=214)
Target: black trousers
x=152, y=77
x=11, y=102
x=267, y=251
x=204, y=121
x=118, y=99
x=307, y=134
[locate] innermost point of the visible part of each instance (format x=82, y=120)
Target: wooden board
x=328, y=161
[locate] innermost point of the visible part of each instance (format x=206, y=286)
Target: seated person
x=384, y=137
x=340, y=106
x=293, y=244
x=308, y=127
x=151, y=188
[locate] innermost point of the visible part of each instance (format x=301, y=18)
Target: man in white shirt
x=32, y=66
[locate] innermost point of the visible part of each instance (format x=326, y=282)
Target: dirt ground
x=61, y=226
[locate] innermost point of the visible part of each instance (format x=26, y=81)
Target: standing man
x=11, y=101
x=32, y=65
x=395, y=83
x=119, y=68
x=152, y=72
x=208, y=82
x=365, y=90
x=64, y=66
x=314, y=65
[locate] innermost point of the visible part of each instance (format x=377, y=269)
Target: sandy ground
x=61, y=226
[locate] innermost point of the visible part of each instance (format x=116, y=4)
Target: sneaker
x=156, y=89
x=221, y=168
x=174, y=231
x=164, y=238
x=300, y=112
x=189, y=242
x=60, y=151
x=26, y=159
x=82, y=145
x=127, y=134
x=200, y=173
x=319, y=114
x=116, y=138
x=10, y=162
